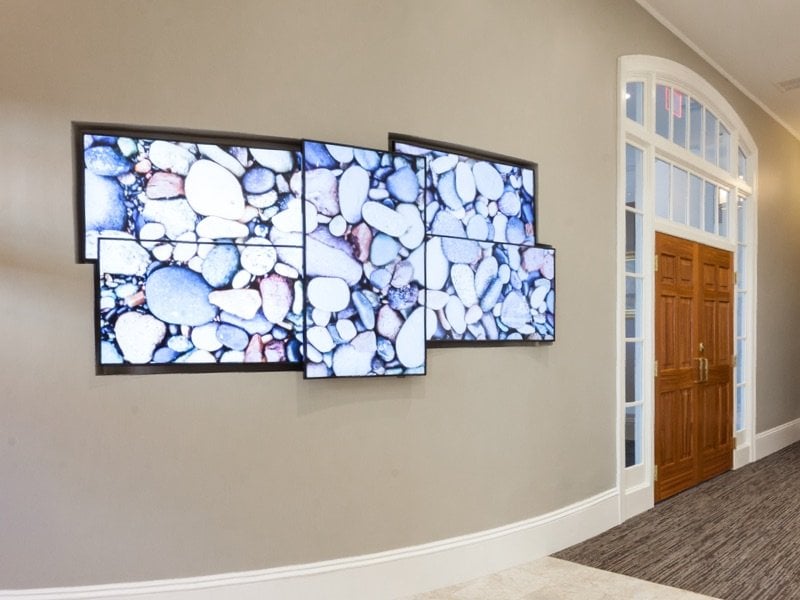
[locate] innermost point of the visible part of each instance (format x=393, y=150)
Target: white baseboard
x=390, y=574
x=777, y=438
x=741, y=456
x=637, y=500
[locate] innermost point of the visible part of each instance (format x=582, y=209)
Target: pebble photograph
x=486, y=292
x=365, y=262
x=176, y=302
x=188, y=191
x=480, y=199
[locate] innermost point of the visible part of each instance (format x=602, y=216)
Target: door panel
x=693, y=340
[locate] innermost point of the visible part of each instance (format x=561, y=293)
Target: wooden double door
x=694, y=371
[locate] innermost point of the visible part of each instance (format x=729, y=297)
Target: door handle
x=705, y=370
x=699, y=369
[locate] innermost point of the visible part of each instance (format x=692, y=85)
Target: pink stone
x=165, y=185
x=361, y=239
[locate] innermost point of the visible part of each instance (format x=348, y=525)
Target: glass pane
x=633, y=307
x=740, y=399
x=739, y=360
x=633, y=242
x=724, y=147
x=741, y=219
x=696, y=127
x=711, y=137
x=634, y=101
x=741, y=266
x=633, y=176
x=633, y=371
x=722, y=224
x=741, y=321
x=679, y=111
x=742, y=164
x=662, y=110
x=695, y=201
x=680, y=192
x=633, y=436
x=662, y=189
x=710, y=211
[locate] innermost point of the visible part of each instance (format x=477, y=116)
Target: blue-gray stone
x=364, y=308
x=491, y=295
x=106, y=161
x=105, y=203
x=294, y=351
x=515, y=231
x=385, y=349
x=164, y=355
x=403, y=297
x=258, y=180
x=179, y=295
x=527, y=212
x=109, y=355
x=108, y=140
x=447, y=191
x=403, y=185
x=461, y=251
x=509, y=204
x=220, y=265
x=515, y=311
x=232, y=337
x=515, y=281
x=487, y=270
x=316, y=156
x=477, y=228
x=368, y=159
x=380, y=278
x=383, y=250
x=446, y=224
x=280, y=333
x=551, y=301
x=180, y=343
x=258, y=324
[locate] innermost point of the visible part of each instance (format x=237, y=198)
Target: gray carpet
x=736, y=537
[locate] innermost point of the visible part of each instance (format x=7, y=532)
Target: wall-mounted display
x=489, y=292
x=236, y=252
x=365, y=265
x=475, y=194
x=168, y=305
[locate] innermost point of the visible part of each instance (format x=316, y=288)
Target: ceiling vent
x=789, y=84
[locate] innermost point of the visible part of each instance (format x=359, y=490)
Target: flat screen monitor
x=365, y=262
x=197, y=244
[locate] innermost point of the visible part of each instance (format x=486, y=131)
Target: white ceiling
x=754, y=43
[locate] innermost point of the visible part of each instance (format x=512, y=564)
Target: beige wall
x=125, y=478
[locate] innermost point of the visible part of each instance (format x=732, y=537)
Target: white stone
x=346, y=329
x=337, y=226
x=290, y=219
x=176, y=216
x=353, y=190
x=286, y=270
x=152, y=231
x=264, y=200
x=241, y=280
x=487, y=180
x=538, y=295
x=217, y=228
x=342, y=154
x=465, y=183
x=320, y=317
x=384, y=219
x=527, y=181
x=473, y=314
x=328, y=293
x=410, y=343
x=123, y=257
x=138, y=335
x=258, y=256
x=463, y=279
x=454, y=311
x=443, y=164
x=325, y=261
x=205, y=338
x=415, y=234
x=242, y=303
x=162, y=252
x=214, y=191
x=435, y=299
x=320, y=338
x=431, y=323
x=438, y=267
x=171, y=157
x=279, y=161
x=221, y=157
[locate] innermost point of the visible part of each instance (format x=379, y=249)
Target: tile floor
x=554, y=579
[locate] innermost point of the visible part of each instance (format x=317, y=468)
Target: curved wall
x=131, y=478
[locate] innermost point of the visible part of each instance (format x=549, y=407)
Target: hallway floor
x=554, y=579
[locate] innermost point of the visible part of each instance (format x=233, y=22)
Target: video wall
x=231, y=252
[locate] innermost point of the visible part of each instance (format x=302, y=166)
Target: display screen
x=365, y=262
x=184, y=186
x=489, y=292
x=197, y=240
x=477, y=195
x=173, y=304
